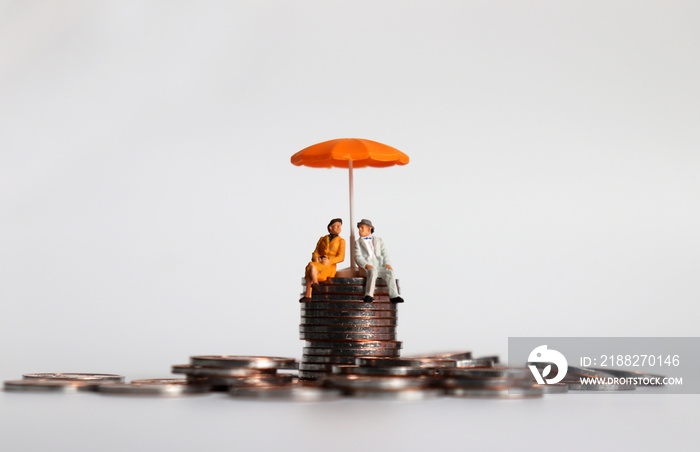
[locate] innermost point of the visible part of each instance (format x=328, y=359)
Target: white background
x=149, y=210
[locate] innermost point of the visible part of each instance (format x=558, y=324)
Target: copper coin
x=443, y=355
x=346, y=329
x=385, y=344
x=347, y=298
x=348, y=313
x=260, y=380
x=351, y=352
x=476, y=362
x=343, y=321
x=74, y=376
x=347, y=336
x=64, y=386
x=350, y=306
x=252, y=362
x=155, y=387
x=202, y=371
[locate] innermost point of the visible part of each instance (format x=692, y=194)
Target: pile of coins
x=339, y=326
x=421, y=377
x=204, y=375
x=455, y=374
x=222, y=372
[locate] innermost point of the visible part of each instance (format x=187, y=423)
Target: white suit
x=379, y=260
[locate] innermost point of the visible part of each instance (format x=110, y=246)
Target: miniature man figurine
x=371, y=254
x=330, y=250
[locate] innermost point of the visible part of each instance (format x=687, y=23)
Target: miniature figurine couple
x=370, y=255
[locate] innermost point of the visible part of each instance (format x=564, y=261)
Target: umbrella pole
x=353, y=265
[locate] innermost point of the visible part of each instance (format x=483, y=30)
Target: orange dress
x=334, y=250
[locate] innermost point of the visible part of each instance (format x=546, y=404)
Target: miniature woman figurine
x=330, y=250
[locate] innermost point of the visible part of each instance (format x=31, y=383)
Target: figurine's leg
x=311, y=278
x=371, y=281
x=312, y=273
x=388, y=276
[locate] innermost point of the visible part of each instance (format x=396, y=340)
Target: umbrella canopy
x=349, y=153
x=340, y=153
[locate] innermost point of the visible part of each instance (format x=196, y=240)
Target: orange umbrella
x=349, y=153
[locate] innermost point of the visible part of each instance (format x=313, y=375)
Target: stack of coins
x=339, y=326
x=223, y=372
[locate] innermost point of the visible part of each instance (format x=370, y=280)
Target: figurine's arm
x=359, y=258
x=340, y=257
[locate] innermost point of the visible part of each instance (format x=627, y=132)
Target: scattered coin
x=231, y=382
x=160, y=381
x=203, y=371
x=252, y=362
x=74, y=376
x=155, y=387
x=443, y=355
x=488, y=361
x=64, y=386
